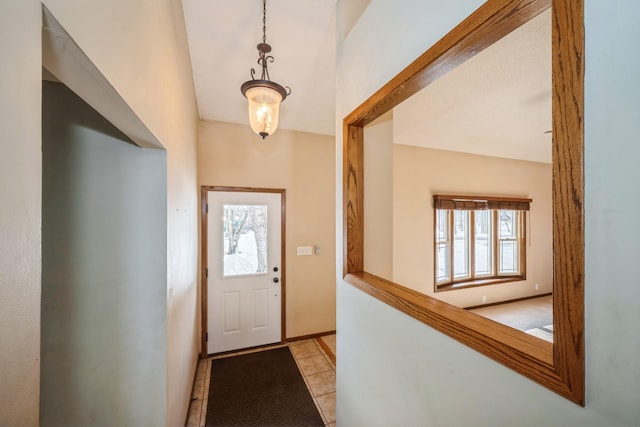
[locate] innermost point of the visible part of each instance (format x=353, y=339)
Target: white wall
x=140, y=47
x=612, y=200
x=394, y=370
x=104, y=274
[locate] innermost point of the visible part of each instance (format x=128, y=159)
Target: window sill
x=476, y=283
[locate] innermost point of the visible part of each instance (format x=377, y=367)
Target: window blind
x=476, y=203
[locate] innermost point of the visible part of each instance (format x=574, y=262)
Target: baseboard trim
x=327, y=350
x=508, y=301
x=310, y=336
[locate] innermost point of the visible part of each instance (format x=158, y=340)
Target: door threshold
x=247, y=350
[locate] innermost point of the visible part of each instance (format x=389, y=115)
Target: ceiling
x=497, y=103
x=223, y=35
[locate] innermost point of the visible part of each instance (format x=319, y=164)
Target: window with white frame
x=479, y=240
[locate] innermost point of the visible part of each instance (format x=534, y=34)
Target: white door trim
x=204, y=190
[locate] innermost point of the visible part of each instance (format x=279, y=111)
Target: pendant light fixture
x=263, y=95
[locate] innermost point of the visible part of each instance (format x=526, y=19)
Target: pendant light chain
x=264, y=95
x=264, y=21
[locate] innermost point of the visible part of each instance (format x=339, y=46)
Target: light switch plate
x=304, y=250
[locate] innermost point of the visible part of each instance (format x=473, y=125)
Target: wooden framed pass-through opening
x=558, y=366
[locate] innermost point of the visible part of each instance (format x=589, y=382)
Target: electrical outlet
x=537, y=286
x=484, y=299
x=316, y=249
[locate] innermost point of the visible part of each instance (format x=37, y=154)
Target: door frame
x=204, y=251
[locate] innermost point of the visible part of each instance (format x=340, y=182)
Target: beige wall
x=140, y=47
x=419, y=173
x=378, y=197
x=400, y=182
x=302, y=164
x=351, y=11
x=20, y=205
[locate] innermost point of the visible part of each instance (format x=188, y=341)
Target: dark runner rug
x=260, y=389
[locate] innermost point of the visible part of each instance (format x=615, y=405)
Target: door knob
x=275, y=280
x=275, y=269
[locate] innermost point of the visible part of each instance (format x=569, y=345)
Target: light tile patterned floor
x=316, y=367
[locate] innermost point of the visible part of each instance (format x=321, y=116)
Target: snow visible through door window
x=245, y=239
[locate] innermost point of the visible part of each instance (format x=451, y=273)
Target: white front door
x=244, y=270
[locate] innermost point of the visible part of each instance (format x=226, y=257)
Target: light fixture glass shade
x=264, y=107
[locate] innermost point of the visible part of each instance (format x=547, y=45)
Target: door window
x=244, y=239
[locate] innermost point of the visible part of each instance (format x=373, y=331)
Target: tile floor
x=315, y=364
x=328, y=344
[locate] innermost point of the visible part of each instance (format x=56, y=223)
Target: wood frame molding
x=204, y=199
x=558, y=366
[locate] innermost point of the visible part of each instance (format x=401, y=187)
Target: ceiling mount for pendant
x=264, y=95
